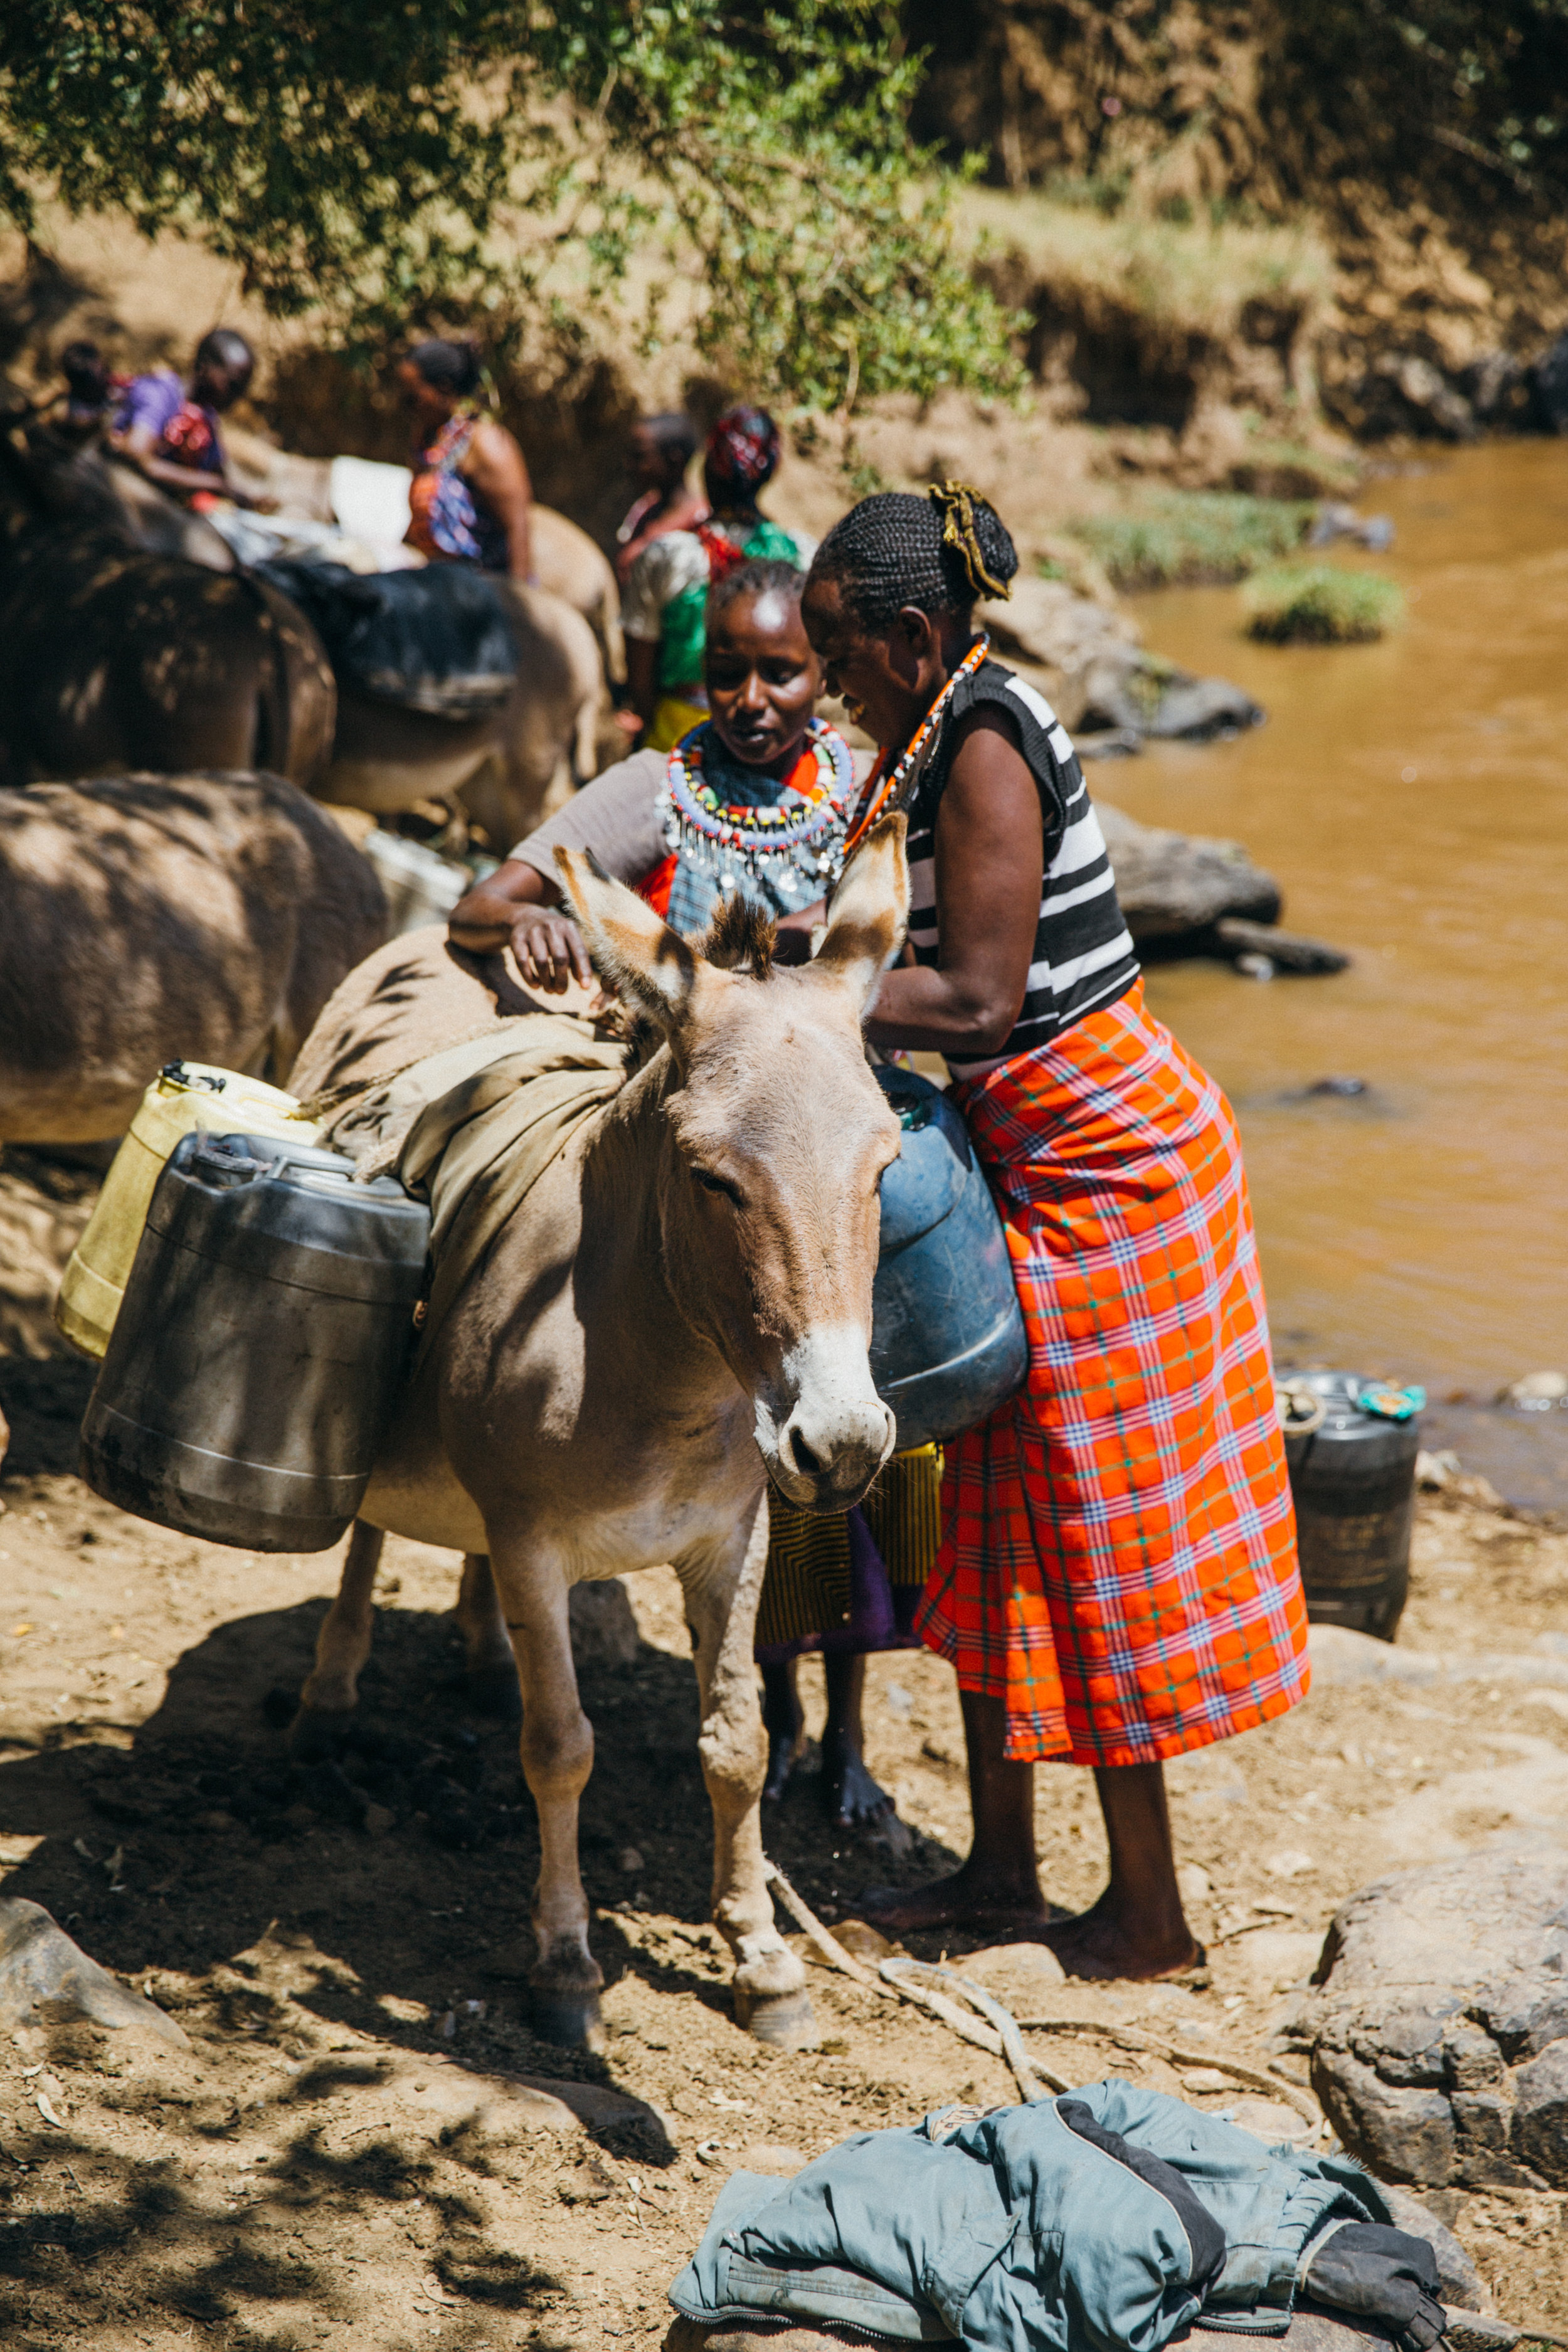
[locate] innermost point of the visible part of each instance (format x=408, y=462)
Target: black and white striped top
x=1083, y=955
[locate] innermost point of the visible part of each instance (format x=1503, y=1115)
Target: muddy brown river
x=1411, y=798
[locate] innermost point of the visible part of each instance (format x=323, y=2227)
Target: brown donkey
x=680, y=1311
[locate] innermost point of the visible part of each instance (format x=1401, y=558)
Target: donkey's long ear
x=635, y=952
x=870, y=912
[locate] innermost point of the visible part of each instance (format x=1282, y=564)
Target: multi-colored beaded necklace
x=793, y=848
x=887, y=786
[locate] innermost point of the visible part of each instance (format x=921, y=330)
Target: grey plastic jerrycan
x=948, y=1343
x=265, y=1333
x=1354, y=1483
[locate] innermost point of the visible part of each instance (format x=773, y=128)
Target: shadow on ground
x=410, y=1861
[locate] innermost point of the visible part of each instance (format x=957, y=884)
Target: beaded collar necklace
x=777, y=843
x=886, y=786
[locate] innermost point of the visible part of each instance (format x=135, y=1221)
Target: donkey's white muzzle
x=826, y=1432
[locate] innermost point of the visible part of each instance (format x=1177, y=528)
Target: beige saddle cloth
x=472, y=1128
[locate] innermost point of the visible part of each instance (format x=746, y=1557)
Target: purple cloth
x=185, y=430
x=881, y=1613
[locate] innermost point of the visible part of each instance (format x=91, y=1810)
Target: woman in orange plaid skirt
x=1117, y=1582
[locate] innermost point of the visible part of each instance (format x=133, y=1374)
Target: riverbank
x=1411, y=795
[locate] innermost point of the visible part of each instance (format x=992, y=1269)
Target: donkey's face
x=777, y=1137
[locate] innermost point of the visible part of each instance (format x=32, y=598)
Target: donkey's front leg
x=557, y=1749
x=721, y=1596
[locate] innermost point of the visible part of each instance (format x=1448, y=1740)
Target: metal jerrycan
x=264, y=1336
x=948, y=1343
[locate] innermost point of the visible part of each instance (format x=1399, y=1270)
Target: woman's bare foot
x=1006, y=1911
x=1109, y=1940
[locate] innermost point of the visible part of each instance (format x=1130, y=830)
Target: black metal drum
x=1353, y=1481
x=256, y=1358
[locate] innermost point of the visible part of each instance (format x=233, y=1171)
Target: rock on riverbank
x=1188, y=893
x=1088, y=661
x=1442, y=2025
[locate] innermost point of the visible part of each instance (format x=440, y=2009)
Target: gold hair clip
x=954, y=502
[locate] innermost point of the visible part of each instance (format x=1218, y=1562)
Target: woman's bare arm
x=496, y=468
x=518, y=903
x=138, y=445
x=989, y=856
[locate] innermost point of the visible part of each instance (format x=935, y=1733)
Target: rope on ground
x=894, y=1984
x=1129, y=2037
x=1034, y=2081
x=916, y=1980
x=968, y=2028
x=984, y=2037
x=830, y=1947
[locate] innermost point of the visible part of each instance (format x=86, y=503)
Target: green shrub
x=1189, y=537
x=1320, y=604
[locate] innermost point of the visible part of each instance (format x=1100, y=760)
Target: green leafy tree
x=742, y=176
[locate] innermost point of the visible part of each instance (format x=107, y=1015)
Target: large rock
x=44, y=1975
x=1171, y=883
x=1087, y=662
x=1440, y=2028
x=1063, y=638
x=1432, y=403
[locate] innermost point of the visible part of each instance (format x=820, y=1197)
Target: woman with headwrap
x=472, y=502
x=667, y=588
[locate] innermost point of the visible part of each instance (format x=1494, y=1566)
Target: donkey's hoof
x=318, y=1733
x=495, y=1691
x=783, y=2019
x=572, y=2018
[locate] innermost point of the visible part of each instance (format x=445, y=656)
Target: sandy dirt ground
x=355, y=2146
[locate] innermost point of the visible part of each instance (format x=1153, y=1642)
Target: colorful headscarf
x=743, y=453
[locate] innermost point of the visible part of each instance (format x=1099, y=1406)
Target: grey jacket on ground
x=1104, y=2220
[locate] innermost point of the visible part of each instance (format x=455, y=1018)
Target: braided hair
x=939, y=554
x=763, y=576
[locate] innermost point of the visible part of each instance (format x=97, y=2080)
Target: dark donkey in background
x=113, y=658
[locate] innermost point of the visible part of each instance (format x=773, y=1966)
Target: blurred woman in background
x=472, y=502
x=171, y=432
x=658, y=450
x=667, y=587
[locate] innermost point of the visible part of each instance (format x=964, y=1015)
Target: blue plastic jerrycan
x=948, y=1343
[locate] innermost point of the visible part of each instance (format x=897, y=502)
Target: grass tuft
x=1194, y=538
x=1320, y=604
x=1196, y=277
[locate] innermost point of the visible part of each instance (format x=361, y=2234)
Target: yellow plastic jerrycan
x=184, y=1094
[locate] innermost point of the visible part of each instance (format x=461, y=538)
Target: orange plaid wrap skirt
x=1119, y=1556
